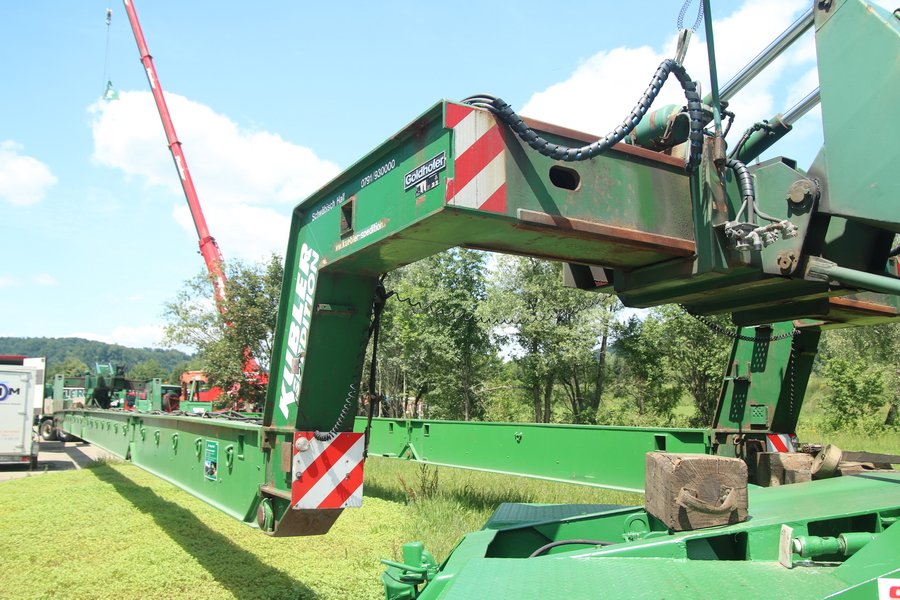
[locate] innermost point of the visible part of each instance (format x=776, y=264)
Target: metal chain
x=745, y=338
x=464, y=315
x=684, y=8
x=793, y=376
x=353, y=394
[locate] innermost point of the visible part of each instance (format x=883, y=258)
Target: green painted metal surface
x=857, y=44
x=175, y=449
x=765, y=381
x=738, y=560
x=608, y=457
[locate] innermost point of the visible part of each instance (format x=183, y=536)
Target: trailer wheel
x=65, y=437
x=46, y=430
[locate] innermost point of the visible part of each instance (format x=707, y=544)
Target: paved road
x=53, y=457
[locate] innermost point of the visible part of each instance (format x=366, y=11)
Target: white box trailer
x=18, y=390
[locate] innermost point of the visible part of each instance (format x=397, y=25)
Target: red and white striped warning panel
x=780, y=442
x=327, y=474
x=479, y=179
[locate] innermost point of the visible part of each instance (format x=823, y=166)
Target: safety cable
x=680, y=23
x=381, y=297
x=716, y=328
x=556, y=152
x=352, y=396
x=546, y=547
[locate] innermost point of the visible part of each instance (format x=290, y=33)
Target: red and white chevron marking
x=327, y=474
x=780, y=442
x=479, y=153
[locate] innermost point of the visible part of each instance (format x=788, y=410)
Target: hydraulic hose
x=546, y=547
x=557, y=152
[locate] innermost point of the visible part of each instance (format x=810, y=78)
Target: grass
x=113, y=531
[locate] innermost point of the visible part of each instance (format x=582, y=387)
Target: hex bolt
x=799, y=192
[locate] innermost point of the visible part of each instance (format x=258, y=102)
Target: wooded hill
x=89, y=352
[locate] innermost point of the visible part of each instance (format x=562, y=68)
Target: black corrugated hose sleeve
x=557, y=152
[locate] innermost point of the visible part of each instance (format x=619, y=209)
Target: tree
x=245, y=324
x=555, y=333
x=861, y=362
x=856, y=393
x=643, y=376
x=70, y=367
x=148, y=369
x=696, y=356
x=440, y=354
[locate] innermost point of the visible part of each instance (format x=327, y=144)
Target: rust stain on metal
x=860, y=306
x=632, y=238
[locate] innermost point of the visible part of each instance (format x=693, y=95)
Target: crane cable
x=108, y=92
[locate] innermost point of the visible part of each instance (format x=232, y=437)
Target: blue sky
x=273, y=98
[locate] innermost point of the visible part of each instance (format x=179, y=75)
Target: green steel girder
x=607, y=457
x=174, y=449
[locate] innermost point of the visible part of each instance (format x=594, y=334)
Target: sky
x=272, y=99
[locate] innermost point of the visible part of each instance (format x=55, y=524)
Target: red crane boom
x=208, y=246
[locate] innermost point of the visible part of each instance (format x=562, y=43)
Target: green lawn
x=116, y=532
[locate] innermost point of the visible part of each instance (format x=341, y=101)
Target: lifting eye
x=565, y=178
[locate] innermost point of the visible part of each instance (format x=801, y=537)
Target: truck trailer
x=18, y=392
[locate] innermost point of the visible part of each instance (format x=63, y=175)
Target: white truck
x=19, y=390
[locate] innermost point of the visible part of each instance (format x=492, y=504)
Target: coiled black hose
x=557, y=152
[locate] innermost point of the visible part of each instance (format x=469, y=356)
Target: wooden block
x=797, y=476
x=770, y=466
x=692, y=491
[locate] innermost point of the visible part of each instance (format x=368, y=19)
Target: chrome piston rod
x=773, y=51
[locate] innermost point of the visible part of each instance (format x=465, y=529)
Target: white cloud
x=9, y=282
x=247, y=181
x=23, y=180
x=43, y=279
x=603, y=90
x=143, y=336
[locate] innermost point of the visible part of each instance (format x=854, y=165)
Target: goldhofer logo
x=421, y=172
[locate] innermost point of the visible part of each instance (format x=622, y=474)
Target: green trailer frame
x=631, y=222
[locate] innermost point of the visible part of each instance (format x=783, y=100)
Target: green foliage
x=857, y=391
x=59, y=350
x=696, y=357
x=71, y=367
x=554, y=336
x=222, y=337
x=148, y=369
x=442, y=356
x=642, y=373
x=861, y=368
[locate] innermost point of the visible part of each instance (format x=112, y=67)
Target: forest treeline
x=477, y=336
x=72, y=356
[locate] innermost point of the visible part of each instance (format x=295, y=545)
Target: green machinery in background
x=655, y=213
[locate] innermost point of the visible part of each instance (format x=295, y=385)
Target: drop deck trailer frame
x=632, y=222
